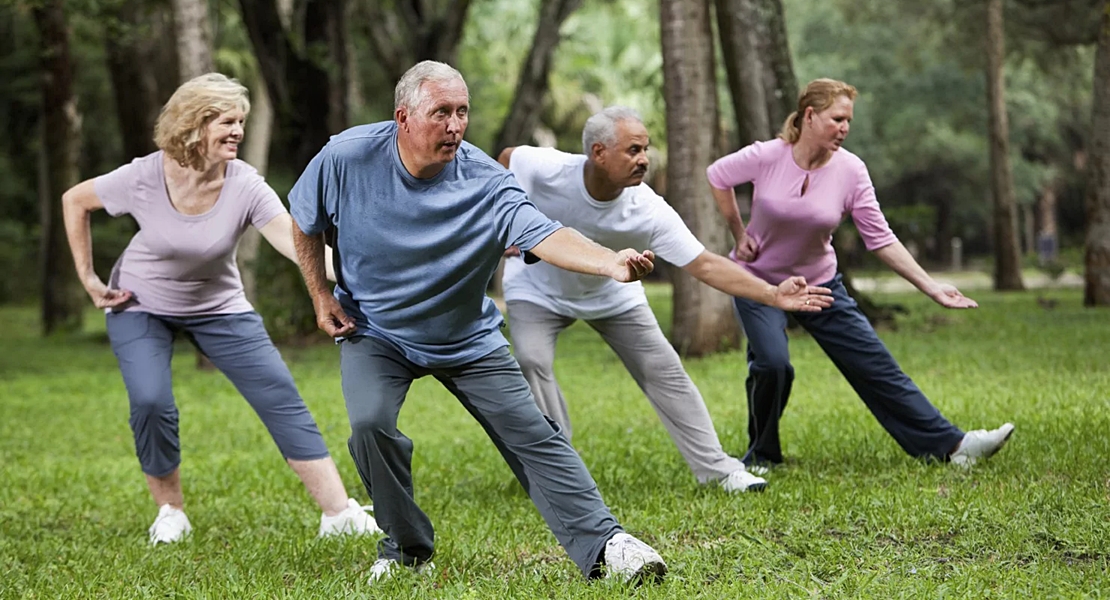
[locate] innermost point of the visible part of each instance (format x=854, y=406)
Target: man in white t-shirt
x=602, y=194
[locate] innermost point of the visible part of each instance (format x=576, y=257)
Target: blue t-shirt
x=416, y=255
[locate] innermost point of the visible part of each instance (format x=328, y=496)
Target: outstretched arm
x=726, y=276
x=78, y=203
x=279, y=233
x=902, y=262
x=570, y=250
x=310, y=258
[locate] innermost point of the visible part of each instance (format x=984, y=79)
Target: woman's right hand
x=103, y=297
x=746, y=248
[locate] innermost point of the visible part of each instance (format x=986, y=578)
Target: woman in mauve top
x=193, y=200
x=804, y=185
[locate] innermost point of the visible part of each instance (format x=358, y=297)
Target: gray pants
x=240, y=347
x=376, y=378
x=650, y=359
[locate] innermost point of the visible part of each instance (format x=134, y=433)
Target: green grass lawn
x=850, y=516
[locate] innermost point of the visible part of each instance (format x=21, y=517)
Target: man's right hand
x=103, y=297
x=796, y=296
x=331, y=318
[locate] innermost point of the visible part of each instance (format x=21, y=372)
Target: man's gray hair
x=407, y=93
x=602, y=127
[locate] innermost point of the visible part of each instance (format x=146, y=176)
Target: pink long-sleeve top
x=793, y=231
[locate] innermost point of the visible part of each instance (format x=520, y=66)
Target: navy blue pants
x=239, y=347
x=376, y=379
x=846, y=336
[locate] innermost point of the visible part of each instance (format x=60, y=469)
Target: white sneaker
x=170, y=526
x=980, y=444
x=759, y=469
x=628, y=558
x=741, y=480
x=354, y=520
x=385, y=568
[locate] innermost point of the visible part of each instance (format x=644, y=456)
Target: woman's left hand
x=950, y=297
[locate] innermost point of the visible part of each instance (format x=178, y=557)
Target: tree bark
x=194, y=38
x=133, y=34
x=780, y=83
x=1097, y=254
x=532, y=85
x=1007, y=257
x=740, y=27
x=256, y=152
x=703, y=317
x=405, y=32
x=61, y=300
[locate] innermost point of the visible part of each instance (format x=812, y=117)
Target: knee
x=371, y=425
x=149, y=402
x=772, y=364
x=534, y=363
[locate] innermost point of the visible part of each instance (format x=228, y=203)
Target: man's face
x=625, y=162
x=434, y=129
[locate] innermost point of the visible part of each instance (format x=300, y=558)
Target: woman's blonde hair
x=182, y=126
x=819, y=94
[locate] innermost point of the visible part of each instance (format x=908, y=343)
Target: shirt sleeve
x=116, y=190
x=867, y=215
x=525, y=163
x=671, y=239
x=312, y=199
x=265, y=204
x=739, y=167
x=519, y=222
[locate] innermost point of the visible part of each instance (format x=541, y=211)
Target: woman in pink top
x=193, y=200
x=804, y=186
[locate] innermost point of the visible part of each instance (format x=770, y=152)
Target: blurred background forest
x=978, y=119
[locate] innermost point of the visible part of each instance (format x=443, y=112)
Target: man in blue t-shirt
x=420, y=220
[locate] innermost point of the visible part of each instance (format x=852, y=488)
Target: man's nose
x=454, y=123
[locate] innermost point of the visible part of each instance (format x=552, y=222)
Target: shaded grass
x=850, y=516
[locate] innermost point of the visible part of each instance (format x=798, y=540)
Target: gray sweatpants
x=650, y=359
x=376, y=378
x=239, y=347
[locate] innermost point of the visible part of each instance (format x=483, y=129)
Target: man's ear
x=401, y=115
x=596, y=150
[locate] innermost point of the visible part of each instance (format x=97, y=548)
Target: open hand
x=103, y=297
x=796, y=296
x=949, y=297
x=331, y=318
x=746, y=249
x=632, y=265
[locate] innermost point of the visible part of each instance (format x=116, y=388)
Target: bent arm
x=726, y=205
x=78, y=203
x=570, y=250
x=279, y=234
x=309, y=257
x=726, y=276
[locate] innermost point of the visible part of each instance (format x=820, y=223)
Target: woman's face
x=830, y=126
x=225, y=132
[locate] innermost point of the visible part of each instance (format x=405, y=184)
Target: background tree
x=703, y=317
x=405, y=32
x=194, y=38
x=62, y=305
x=1007, y=252
x=1097, y=254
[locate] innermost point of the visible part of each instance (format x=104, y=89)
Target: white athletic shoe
x=170, y=526
x=981, y=444
x=741, y=480
x=386, y=568
x=630, y=559
x=353, y=520
x=759, y=469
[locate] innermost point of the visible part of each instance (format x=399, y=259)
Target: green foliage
x=850, y=516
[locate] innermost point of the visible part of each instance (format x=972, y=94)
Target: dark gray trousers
x=846, y=336
x=376, y=378
x=239, y=347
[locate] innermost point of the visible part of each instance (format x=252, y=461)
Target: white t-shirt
x=638, y=218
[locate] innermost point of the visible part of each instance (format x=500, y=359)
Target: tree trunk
x=1097, y=255
x=780, y=83
x=1007, y=256
x=256, y=152
x=740, y=25
x=405, y=32
x=532, y=85
x=703, y=317
x=133, y=34
x=61, y=292
x=194, y=38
